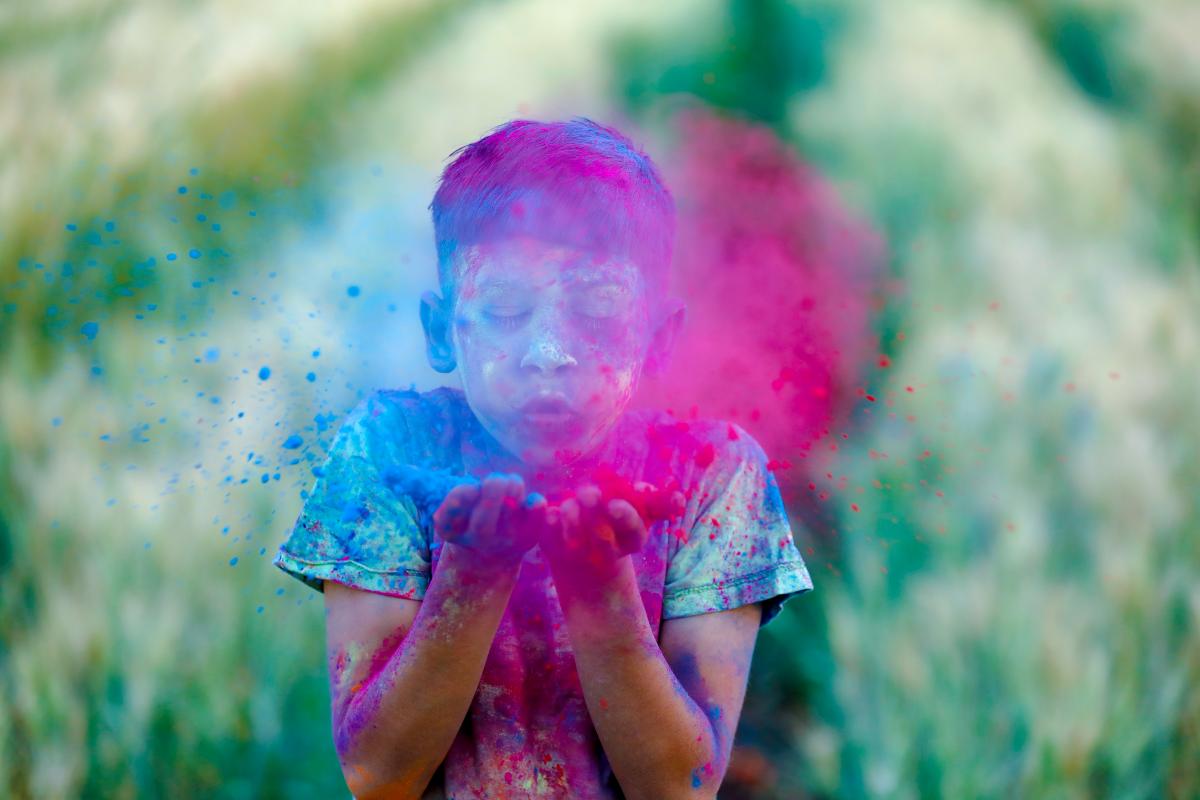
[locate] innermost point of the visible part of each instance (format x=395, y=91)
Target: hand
x=589, y=533
x=497, y=520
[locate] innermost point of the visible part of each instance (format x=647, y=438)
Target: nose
x=546, y=354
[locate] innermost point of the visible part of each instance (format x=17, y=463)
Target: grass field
x=212, y=234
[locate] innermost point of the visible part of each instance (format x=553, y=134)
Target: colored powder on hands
x=654, y=504
x=428, y=488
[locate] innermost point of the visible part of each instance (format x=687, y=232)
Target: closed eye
x=506, y=317
x=598, y=324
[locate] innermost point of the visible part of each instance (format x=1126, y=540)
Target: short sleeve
x=739, y=548
x=354, y=529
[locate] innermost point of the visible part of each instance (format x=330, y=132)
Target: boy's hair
x=575, y=183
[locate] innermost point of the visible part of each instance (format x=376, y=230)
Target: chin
x=557, y=454
x=550, y=456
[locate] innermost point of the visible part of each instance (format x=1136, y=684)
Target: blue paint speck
x=292, y=442
x=212, y=354
x=171, y=256
x=353, y=291
x=233, y=561
x=194, y=253
x=90, y=329
x=311, y=377
x=71, y=226
x=264, y=373
x=182, y=190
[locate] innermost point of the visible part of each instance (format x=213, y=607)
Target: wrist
x=594, y=584
x=470, y=565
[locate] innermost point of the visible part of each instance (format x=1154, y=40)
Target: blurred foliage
x=1012, y=608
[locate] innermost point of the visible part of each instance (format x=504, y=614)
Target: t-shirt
x=527, y=732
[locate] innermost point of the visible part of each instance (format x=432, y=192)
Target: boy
x=573, y=615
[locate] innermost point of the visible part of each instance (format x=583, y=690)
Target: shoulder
x=705, y=457
x=439, y=406
x=701, y=445
x=407, y=425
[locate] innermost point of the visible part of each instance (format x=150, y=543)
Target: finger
x=514, y=492
x=570, y=515
x=454, y=514
x=627, y=526
x=533, y=513
x=535, y=501
x=587, y=496
x=550, y=535
x=487, y=511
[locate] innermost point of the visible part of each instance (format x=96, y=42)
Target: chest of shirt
x=530, y=674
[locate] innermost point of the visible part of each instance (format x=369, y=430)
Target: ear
x=662, y=339
x=435, y=319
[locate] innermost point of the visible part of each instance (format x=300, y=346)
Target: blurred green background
x=193, y=191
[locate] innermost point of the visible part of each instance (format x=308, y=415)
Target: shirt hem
x=404, y=583
x=772, y=587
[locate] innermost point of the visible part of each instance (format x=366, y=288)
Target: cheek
x=483, y=358
x=615, y=382
x=619, y=379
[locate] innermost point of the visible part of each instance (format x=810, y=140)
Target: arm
x=692, y=687
x=403, y=672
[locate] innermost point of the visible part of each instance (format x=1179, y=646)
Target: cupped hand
x=497, y=519
x=591, y=531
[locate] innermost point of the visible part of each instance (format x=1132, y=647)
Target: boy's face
x=550, y=342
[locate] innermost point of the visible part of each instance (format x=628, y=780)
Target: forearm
x=627, y=684
x=398, y=724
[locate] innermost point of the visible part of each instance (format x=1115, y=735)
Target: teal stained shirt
x=733, y=547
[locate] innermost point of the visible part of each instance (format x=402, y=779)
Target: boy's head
x=554, y=243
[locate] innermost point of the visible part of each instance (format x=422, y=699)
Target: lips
x=550, y=410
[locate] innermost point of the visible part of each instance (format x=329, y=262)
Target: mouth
x=549, y=411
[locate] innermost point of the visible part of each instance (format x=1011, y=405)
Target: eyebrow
x=499, y=283
x=602, y=279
